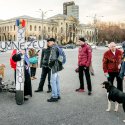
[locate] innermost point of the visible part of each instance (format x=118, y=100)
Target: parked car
x=93, y=46
x=118, y=46
x=70, y=46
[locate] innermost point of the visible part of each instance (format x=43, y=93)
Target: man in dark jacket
x=45, y=69
x=55, y=66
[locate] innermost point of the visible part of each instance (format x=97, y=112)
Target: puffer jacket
x=111, y=61
x=84, y=55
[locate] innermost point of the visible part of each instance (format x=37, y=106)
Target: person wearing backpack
x=56, y=65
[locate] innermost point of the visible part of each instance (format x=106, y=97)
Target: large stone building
x=62, y=27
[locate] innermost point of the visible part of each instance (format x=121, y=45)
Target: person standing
x=33, y=53
x=55, y=66
x=27, y=80
x=13, y=63
x=112, y=63
x=45, y=69
x=84, y=61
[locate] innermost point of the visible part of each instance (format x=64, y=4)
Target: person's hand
x=119, y=66
x=124, y=77
x=77, y=70
x=106, y=74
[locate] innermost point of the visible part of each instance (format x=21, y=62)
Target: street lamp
x=42, y=17
x=95, y=29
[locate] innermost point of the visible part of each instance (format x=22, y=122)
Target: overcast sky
x=111, y=10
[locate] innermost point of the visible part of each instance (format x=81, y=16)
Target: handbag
x=33, y=60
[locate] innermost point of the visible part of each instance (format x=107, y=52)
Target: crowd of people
x=113, y=66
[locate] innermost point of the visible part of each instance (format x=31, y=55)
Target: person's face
x=112, y=47
x=50, y=43
x=81, y=42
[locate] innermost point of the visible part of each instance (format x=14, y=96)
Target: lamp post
x=42, y=17
x=95, y=28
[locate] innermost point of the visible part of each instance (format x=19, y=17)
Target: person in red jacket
x=13, y=64
x=111, y=65
x=84, y=61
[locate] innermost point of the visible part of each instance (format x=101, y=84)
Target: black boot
x=49, y=89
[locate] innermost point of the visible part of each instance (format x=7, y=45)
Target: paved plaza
x=73, y=109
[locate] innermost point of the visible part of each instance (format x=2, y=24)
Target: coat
x=111, y=61
x=45, y=57
x=32, y=53
x=84, y=55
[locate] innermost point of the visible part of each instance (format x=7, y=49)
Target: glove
x=77, y=70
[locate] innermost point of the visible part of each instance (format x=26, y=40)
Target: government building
x=64, y=28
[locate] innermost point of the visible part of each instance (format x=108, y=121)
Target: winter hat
x=82, y=39
x=51, y=39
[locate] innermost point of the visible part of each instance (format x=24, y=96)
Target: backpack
x=62, y=55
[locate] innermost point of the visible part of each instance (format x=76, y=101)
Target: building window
x=55, y=30
x=61, y=30
x=5, y=28
x=34, y=28
x=14, y=37
x=14, y=27
x=48, y=29
x=39, y=37
x=44, y=29
x=39, y=28
x=30, y=27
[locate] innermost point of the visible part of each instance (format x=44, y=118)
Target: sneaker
x=38, y=90
x=79, y=90
x=89, y=93
x=52, y=99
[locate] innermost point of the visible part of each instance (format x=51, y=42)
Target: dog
x=2, y=69
x=115, y=95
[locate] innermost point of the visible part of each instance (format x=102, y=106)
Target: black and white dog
x=115, y=95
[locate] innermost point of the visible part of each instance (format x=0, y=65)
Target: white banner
x=20, y=64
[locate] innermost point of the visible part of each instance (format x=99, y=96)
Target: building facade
x=65, y=5
x=65, y=29
x=70, y=9
x=73, y=11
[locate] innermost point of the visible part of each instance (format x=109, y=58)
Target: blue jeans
x=55, y=84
